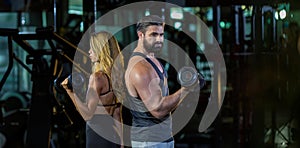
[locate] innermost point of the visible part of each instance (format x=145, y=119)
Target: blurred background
x=259, y=39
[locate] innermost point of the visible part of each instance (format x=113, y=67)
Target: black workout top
x=108, y=91
x=145, y=127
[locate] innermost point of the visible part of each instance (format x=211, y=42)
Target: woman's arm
x=87, y=108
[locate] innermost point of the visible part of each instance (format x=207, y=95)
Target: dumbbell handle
x=202, y=81
x=76, y=80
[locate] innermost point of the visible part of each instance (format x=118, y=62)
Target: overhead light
x=243, y=7
x=147, y=12
x=176, y=13
x=178, y=25
x=282, y=14
x=276, y=15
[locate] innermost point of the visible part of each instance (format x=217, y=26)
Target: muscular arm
x=145, y=82
x=88, y=107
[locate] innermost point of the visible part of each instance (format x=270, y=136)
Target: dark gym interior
x=259, y=42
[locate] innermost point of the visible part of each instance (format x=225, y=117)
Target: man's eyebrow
x=155, y=33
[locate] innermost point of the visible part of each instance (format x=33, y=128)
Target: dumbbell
x=188, y=76
x=75, y=81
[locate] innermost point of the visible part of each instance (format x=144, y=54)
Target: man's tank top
x=145, y=127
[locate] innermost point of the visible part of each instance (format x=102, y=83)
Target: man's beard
x=153, y=48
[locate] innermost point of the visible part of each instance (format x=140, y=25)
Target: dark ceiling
x=12, y=5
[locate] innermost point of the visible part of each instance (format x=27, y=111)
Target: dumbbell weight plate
x=187, y=76
x=76, y=81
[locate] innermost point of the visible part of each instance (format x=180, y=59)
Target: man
x=148, y=95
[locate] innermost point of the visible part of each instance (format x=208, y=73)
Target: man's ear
x=140, y=34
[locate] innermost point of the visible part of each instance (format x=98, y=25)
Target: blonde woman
x=101, y=109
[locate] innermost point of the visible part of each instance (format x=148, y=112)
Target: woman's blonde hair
x=106, y=48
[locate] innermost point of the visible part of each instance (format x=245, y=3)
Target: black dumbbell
x=75, y=81
x=57, y=84
x=188, y=76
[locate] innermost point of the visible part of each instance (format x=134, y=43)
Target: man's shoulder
x=142, y=68
x=138, y=64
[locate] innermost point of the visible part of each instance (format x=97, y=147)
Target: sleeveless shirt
x=145, y=127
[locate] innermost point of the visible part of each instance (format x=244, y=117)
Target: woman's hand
x=64, y=84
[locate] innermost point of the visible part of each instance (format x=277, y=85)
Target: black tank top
x=145, y=127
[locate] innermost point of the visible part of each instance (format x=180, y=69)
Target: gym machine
x=42, y=104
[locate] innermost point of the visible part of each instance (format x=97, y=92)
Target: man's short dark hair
x=149, y=20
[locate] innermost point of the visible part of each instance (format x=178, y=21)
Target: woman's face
x=93, y=56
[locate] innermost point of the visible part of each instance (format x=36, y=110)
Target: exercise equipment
x=188, y=76
x=76, y=81
x=43, y=72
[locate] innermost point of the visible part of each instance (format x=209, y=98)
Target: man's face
x=153, y=38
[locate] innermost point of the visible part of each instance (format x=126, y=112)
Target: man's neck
x=148, y=54
x=151, y=55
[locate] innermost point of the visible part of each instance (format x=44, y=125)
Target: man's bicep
x=148, y=90
x=140, y=82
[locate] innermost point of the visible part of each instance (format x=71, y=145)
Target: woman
x=101, y=109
